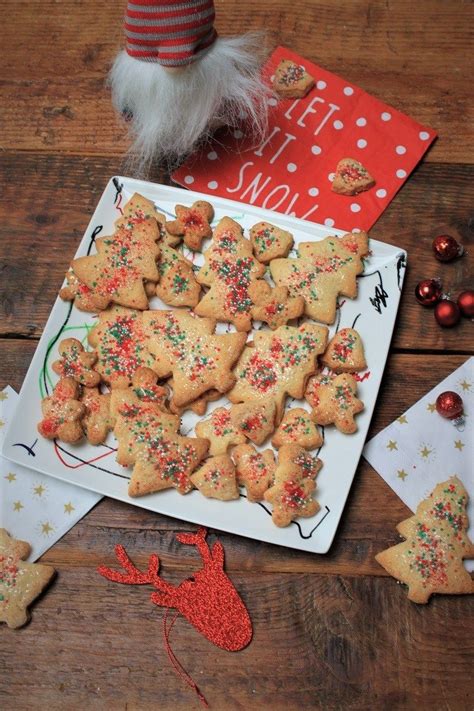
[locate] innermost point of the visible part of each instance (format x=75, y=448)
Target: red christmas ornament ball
x=447, y=313
x=446, y=248
x=466, y=303
x=428, y=292
x=449, y=405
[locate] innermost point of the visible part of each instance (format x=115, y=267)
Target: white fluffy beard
x=174, y=110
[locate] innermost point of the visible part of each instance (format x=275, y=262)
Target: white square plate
x=94, y=468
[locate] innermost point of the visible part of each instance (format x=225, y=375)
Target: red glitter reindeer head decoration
x=207, y=599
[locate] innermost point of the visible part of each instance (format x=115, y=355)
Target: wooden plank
x=317, y=644
x=47, y=203
x=367, y=527
x=402, y=47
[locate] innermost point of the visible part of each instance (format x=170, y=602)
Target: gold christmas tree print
x=430, y=560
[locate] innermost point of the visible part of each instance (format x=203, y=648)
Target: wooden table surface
x=332, y=631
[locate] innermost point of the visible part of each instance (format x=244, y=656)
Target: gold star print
x=459, y=445
x=425, y=452
x=39, y=490
x=465, y=385
x=46, y=528
x=17, y=506
x=402, y=420
x=10, y=477
x=68, y=508
x=392, y=445
x=431, y=407
x=3, y=396
x=402, y=474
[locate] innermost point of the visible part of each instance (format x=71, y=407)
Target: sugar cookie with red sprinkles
x=62, y=412
x=295, y=456
x=220, y=431
x=76, y=363
x=192, y=223
x=216, y=479
x=274, y=306
x=351, y=178
x=270, y=242
x=297, y=427
x=97, y=420
x=291, y=80
x=254, y=469
x=255, y=420
x=345, y=352
x=291, y=498
x=334, y=401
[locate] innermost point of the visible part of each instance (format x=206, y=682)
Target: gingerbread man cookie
x=193, y=223
x=62, y=412
x=430, y=560
x=97, y=420
x=76, y=362
x=322, y=271
x=216, y=479
x=274, y=306
x=345, y=352
x=255, y=470
x=291, y=80
x=270, y=242
x=351, y=178
x=297, y=427
x=334, y=401
x=20, y=582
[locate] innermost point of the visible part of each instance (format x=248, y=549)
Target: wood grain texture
x=48, y=201
x=55, y=98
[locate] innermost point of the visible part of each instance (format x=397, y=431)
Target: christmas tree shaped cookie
x=119, y=340
x=270, y=242
x=291, y=497
x=192, y=223
x=123, y=262
x=184, y=346
x=255, y=420
x=83, y=298
x=334, y=401
x=149, y=440
x=62, y=412
x=216, y=479
x=297, y=427
x=20, y=583
x=220, y=431
x=76, y=362
x=345, y=352
x=254, y=470
x=291, y=80
x=229, y=270
x=136, y=210
x=294, y=456
x=274, y=306
x=278, y=364
x=430, y=560
x=323, y=271
x=351, y=178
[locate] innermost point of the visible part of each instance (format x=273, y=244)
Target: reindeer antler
x=197, y=539
x=135, y=576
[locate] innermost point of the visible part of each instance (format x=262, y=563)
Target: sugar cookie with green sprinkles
x=192, y=223
x=184, y=346
x=177, y=285
x=278, y=363
x=76, y=362
x=270, y=242
x=274, y=306
x=323, y=271
x=334, y=401
x=295, y=456
x=297, y=427
x=345, y=352
x=149, y=441
x=291, y=80
x=254, y=469
x=216, y=479
x=291, y=498
x=229, y=270
x=20, y=582
x=430, y=560
x=220, y=431
x=255, y=420
x=119, y=340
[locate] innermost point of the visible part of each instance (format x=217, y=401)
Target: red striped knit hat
x=170, y=32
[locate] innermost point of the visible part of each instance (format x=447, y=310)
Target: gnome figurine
x=177, y=81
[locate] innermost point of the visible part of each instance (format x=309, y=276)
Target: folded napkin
x=421, y=449
x=292, y=170
x=34, y=507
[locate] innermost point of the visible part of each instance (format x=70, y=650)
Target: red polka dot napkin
x=293, y=169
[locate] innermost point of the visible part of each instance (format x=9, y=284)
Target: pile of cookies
x=148, y=366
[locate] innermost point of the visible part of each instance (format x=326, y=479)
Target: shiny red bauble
x=466, y=303
x=447, y=313
x=449, y=405
x=428, y=292
x=446, y=248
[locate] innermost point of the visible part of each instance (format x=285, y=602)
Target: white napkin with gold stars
x=421, y=449
x=34, y=507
